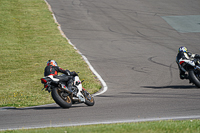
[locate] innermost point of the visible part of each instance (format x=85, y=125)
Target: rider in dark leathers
x=183, y=54
x=53, y=69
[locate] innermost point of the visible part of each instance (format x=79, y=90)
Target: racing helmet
x=182, y=49
x=52, y=62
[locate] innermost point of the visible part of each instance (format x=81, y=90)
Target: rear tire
x=194, y=79
x=62, y=101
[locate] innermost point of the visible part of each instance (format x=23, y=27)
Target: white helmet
x=52, y=62
x=182, y=49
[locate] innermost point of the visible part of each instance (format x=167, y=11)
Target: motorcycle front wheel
x=194, y=78
x=89, y=100
x=61, y=98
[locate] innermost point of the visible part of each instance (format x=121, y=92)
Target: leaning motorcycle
x=62, y=96
x=193, y=69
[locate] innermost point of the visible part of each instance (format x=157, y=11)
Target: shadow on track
x=172, y=87
x=42, y=107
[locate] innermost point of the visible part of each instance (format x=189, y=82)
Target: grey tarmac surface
x=133, y=48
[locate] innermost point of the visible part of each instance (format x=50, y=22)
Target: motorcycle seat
x=54, y=79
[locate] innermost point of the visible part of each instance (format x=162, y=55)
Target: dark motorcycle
x=62, y=96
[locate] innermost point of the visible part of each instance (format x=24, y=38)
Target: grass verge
x=170, y=126
x=29, y=37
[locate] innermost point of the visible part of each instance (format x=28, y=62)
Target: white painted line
x=104, y=86
x=111, y=122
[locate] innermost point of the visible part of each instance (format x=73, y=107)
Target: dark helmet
x=182, y=49
x=52, y=62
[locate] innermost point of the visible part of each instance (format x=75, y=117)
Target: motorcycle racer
x=183, y=55
x=52, y=70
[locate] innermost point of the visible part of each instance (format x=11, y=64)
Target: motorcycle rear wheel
x=194, y=79
x=60, y=99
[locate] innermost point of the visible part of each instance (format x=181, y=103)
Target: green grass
x=29, y=37
x=170, y=126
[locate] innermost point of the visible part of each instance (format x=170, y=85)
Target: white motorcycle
x=192, y=67
x=62, y=96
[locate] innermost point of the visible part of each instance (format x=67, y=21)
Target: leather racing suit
x=66, y=77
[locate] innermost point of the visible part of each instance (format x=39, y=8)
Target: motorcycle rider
x=182, y=55
x=52, y=70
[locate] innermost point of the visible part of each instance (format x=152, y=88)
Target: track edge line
x=104, y=86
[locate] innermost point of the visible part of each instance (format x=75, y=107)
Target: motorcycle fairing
x=184, y=62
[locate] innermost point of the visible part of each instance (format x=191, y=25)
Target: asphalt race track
x=132, y=44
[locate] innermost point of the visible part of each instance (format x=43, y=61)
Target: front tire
x=194, y=79
x=59, y=97
x=89, y=100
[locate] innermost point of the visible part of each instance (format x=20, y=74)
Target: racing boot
x=183, y=76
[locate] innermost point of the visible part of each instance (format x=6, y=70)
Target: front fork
x=78, y=84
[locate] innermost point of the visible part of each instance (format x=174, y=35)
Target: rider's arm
x=197, y=56
x=58, y=69
x=191, y=55
x=67, y=72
